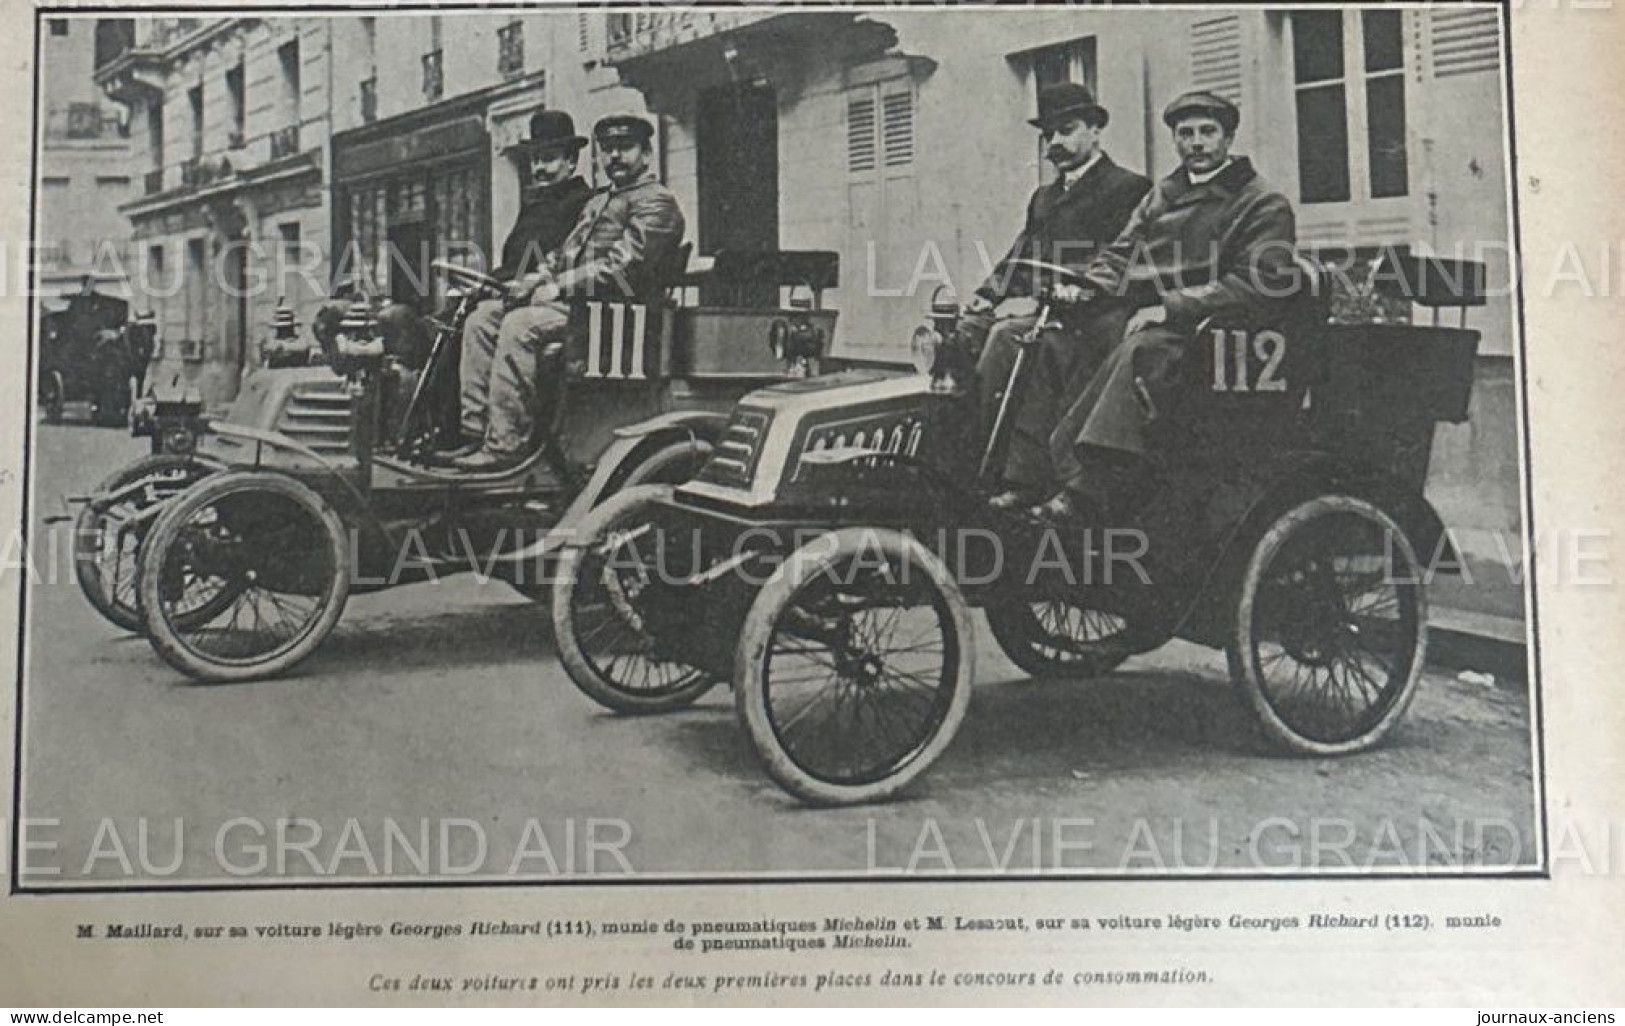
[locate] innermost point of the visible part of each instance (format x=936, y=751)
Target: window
x=434, y=77
x=194, y=100
x=288, y=61
x=289, y=232
x=154, y=284
x=369, y=100
x=368, y=86
x=197, y=310
x=1072, y=61
x=880, y=128
x=59, y=26
x=239, y=105
x=55, y=184
x=155, y=135
x=1348, y=70
x=511, y=49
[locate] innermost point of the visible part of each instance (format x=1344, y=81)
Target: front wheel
x=275, y=547
x=602, y=638
x=1330, y=628
x=854, y=665
x=107, y=533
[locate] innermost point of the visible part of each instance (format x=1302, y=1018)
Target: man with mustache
x=1212, y=240
x=1068, y=220
x=617, y=250
x=552, y=205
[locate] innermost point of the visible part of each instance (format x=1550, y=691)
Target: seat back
x=1245, y=379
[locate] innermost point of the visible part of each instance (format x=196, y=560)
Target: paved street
x=441, y=709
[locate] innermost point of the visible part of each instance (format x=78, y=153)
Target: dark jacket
x=623, y=242
x=1223, y=248
x=1070, y=226
x=543, y=224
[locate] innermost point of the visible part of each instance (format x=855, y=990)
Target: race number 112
x=1234, y=354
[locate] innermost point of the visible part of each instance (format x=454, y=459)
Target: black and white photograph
x=800, y=442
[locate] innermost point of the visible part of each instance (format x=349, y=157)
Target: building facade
x=427, y=110
x=230, y=124
x=85, y=169
x=371, y=144
x=900, y=140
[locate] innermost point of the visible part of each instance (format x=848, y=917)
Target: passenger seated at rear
x=1211, y=240
x=625, y=235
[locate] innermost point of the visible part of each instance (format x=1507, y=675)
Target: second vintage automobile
x=825, y=559
x=237, y=559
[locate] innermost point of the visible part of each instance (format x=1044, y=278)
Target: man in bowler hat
x=1068, y=221
x=551, y=205
x=618, y=249
x=1213, y=239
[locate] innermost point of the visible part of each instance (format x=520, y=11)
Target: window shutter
x=1216, y=55
x=860, y=133
x=1465, y=40
x=897, y=128
x=583, y=32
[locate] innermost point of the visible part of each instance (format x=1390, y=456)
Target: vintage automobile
x=237, y=559
x=824, y=560
x=92, y=351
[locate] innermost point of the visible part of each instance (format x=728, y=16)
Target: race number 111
x=1243, y=363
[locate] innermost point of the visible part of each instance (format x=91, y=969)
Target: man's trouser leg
x=524, y=336
x=993, y=379
x=474, y=365
x=1107, y=416
x=1060, y=365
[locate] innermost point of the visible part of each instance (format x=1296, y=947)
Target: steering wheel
x=467, y=277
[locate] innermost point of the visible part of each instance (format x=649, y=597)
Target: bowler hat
x=1202, y=102
x=623, y=126
x=1067, y=98
x=553, y=128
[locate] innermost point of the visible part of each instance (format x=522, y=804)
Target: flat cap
x=1200, y=101
x=623, y=126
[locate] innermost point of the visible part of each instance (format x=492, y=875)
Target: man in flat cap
x=617, y=249
x=1068, y=222
x=1213, y=239
x=551, y=206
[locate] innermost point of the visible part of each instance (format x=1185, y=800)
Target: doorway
x=738, y=163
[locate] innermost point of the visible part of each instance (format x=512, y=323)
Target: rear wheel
x=272, y=547
x=853, y=670
x=602, y=638
x=108, y=531
x=1330, y=630
x=1059, y=638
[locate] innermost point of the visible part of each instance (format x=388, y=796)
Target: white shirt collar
x=1208, y=176
x=1071, y=177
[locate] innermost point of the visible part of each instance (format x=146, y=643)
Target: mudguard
x=631, y=445
x=1240, y=511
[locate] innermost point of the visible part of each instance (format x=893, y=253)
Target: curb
x=1462, y=640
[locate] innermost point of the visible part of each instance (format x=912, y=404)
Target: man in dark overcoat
x=1068, y=222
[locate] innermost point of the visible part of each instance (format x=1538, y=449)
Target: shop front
x=410, y=190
